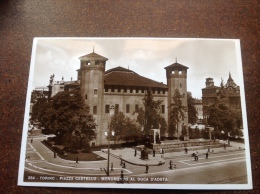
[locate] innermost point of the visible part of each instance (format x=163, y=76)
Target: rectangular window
x=86, y=96
x=136, y=107
x=95, y=92
x=127, y=108
x=116, y=108
x=107, y=108
x=131, y=90
x=94, y=110
x=106, y=89
x=112, y=89
x=125, y=90
x=163, y=109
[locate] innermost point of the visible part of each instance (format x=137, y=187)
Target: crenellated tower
x=177, y=79
x=91, y=76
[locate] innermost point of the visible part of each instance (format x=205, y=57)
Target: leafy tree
x=224, y=118
x=38, y=109
x=67, y=116
x=149, y=117
x=177, y=113
x=192, y=112
x=124, y=128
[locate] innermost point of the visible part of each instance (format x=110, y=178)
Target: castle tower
x=177, y=79
x=209, y=82
x=91, y=76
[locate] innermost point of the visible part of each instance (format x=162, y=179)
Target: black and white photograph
x=148, y=113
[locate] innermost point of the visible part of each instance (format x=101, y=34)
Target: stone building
x=211, y=93
x=199, y=108
x=122, y=90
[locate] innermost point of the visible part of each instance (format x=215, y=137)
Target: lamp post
x=108, y=134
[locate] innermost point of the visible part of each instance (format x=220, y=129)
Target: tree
x=67, y=116
x=124, y=128
x=224, y=118
x=38, y=109
x=150, y=117
x=192, y=112
x=177, y=113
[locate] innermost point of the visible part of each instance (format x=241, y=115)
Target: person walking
x=186, y=150
x=123, y=164
x=122, y=177
x=207, y=155
x=170, y=163
x=112, y=167
x=193, y=155
x=153, y=152
x=77, y=159
x=162, y=152
x=197, y=156
x=146, y=168
x=135, y=152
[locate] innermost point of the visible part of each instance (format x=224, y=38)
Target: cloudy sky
x=204, y=57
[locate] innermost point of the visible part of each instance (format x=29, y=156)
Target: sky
x=148, y=57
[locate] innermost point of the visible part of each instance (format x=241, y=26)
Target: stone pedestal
x=155, y=134
x=144, y=154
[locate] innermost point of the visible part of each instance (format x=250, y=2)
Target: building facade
x=122, y=90
x=210, y=95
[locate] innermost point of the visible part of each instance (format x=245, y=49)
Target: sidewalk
x=127, y=154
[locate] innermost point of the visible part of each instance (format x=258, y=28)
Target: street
x=220, y=168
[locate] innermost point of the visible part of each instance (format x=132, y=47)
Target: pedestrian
x=186, y=150
x=175, y=165
x=162, y=152
x=193, y=155
x=146, y=168
x=153, y=153
x=122, y=177
x=32, y=140
x=207, y=155
x=197, y=156
x=112, y=169
x=170, y=163
x=135, y=152
x=123, y=164
x=77, y=159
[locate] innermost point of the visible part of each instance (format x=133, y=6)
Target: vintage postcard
x=155, y=113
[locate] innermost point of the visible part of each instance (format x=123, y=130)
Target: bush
x=87, y=150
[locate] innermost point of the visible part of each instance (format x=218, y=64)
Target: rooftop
x=124, y=77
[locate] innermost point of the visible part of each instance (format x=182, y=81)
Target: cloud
x=147, y=57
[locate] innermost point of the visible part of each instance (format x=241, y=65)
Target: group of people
x=196, y=155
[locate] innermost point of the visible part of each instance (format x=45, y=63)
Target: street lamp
x=108, y=135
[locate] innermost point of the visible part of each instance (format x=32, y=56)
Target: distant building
x=122, y=89
x=199, y=108
x=211, y=93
